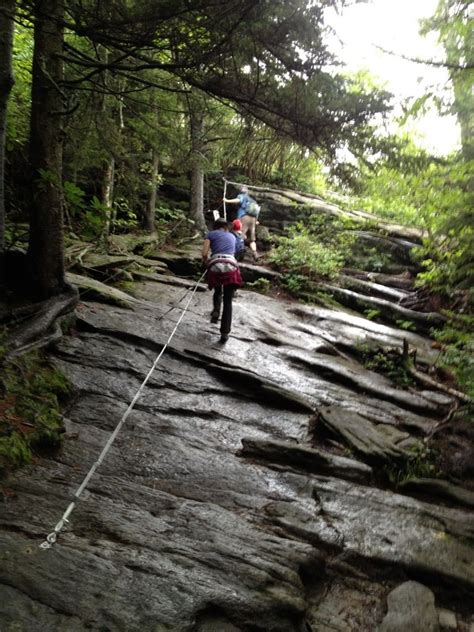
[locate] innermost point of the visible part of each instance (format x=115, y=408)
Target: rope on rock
x=52, y=537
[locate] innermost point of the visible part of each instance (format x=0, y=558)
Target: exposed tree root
x=40, y=328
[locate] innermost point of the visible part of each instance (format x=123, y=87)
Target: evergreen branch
x=427, y=62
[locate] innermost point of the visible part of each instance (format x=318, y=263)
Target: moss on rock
x=30, y=416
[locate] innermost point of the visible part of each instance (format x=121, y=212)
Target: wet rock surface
x=218, y=507
x=411, y=606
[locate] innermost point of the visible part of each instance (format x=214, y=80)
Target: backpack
x=239, y=242
x=250, y=207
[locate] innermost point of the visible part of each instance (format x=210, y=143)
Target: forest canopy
x=107, y=104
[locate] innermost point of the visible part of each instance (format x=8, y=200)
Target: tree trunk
x=6, y=83
x=46, y=246
x=197, y=195
x=149, y=219
x=108, y=193
x=196, y=120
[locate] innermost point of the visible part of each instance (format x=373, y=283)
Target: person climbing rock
x=236, y=230
x=223, y=273
x=248, y=213
x=239, y=239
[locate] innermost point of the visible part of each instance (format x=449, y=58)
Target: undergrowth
x=314, y=249
x=456, y=341
x=31, y=391
x=422, y=463
x=387, y=362
x=259, y=285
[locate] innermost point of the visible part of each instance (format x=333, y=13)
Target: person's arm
x=205, y=250
x=232, y=201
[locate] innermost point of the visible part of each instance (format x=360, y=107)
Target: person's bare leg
x=253, y=248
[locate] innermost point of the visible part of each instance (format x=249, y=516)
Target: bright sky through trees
x=394, y=25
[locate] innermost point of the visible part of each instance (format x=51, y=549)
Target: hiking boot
x=214, y=317
x=256, y=256
x=224, y=338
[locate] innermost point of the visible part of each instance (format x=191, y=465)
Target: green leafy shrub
x=295, y=283
x=369, y=258
x=408, y=325
x=91, y=215
x=389, y=363
x=172, y=224
x=408, y=186
x=124, y=217
x=457, y=349
x=420, y=464
x=260, y=285
x=312, y=250
x=372, y=314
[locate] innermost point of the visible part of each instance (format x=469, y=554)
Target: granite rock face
x=215, y=509
x=411, y=606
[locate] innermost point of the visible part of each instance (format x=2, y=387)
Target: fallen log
x=428, y=381
x=398, y=248
x=390, y=311
x=402, y=281
x=409, y=360
x=372, y=289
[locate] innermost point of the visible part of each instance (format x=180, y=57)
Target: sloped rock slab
x=96, y=261
x=339, y=608
x=350, y=330
x=444, y=490
x=92, y=288
x=411, y=606
x=426, y=540
x=304, y=458
x=169, y=279
x=176, y=531
x=356, y=376
x=374, y=442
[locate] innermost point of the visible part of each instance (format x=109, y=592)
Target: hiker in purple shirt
x=223, y=273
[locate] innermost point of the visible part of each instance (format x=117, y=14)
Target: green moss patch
x=31, y=391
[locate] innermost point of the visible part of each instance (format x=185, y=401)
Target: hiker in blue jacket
x=223, y=272
x=247, y=212
x=236, y=230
